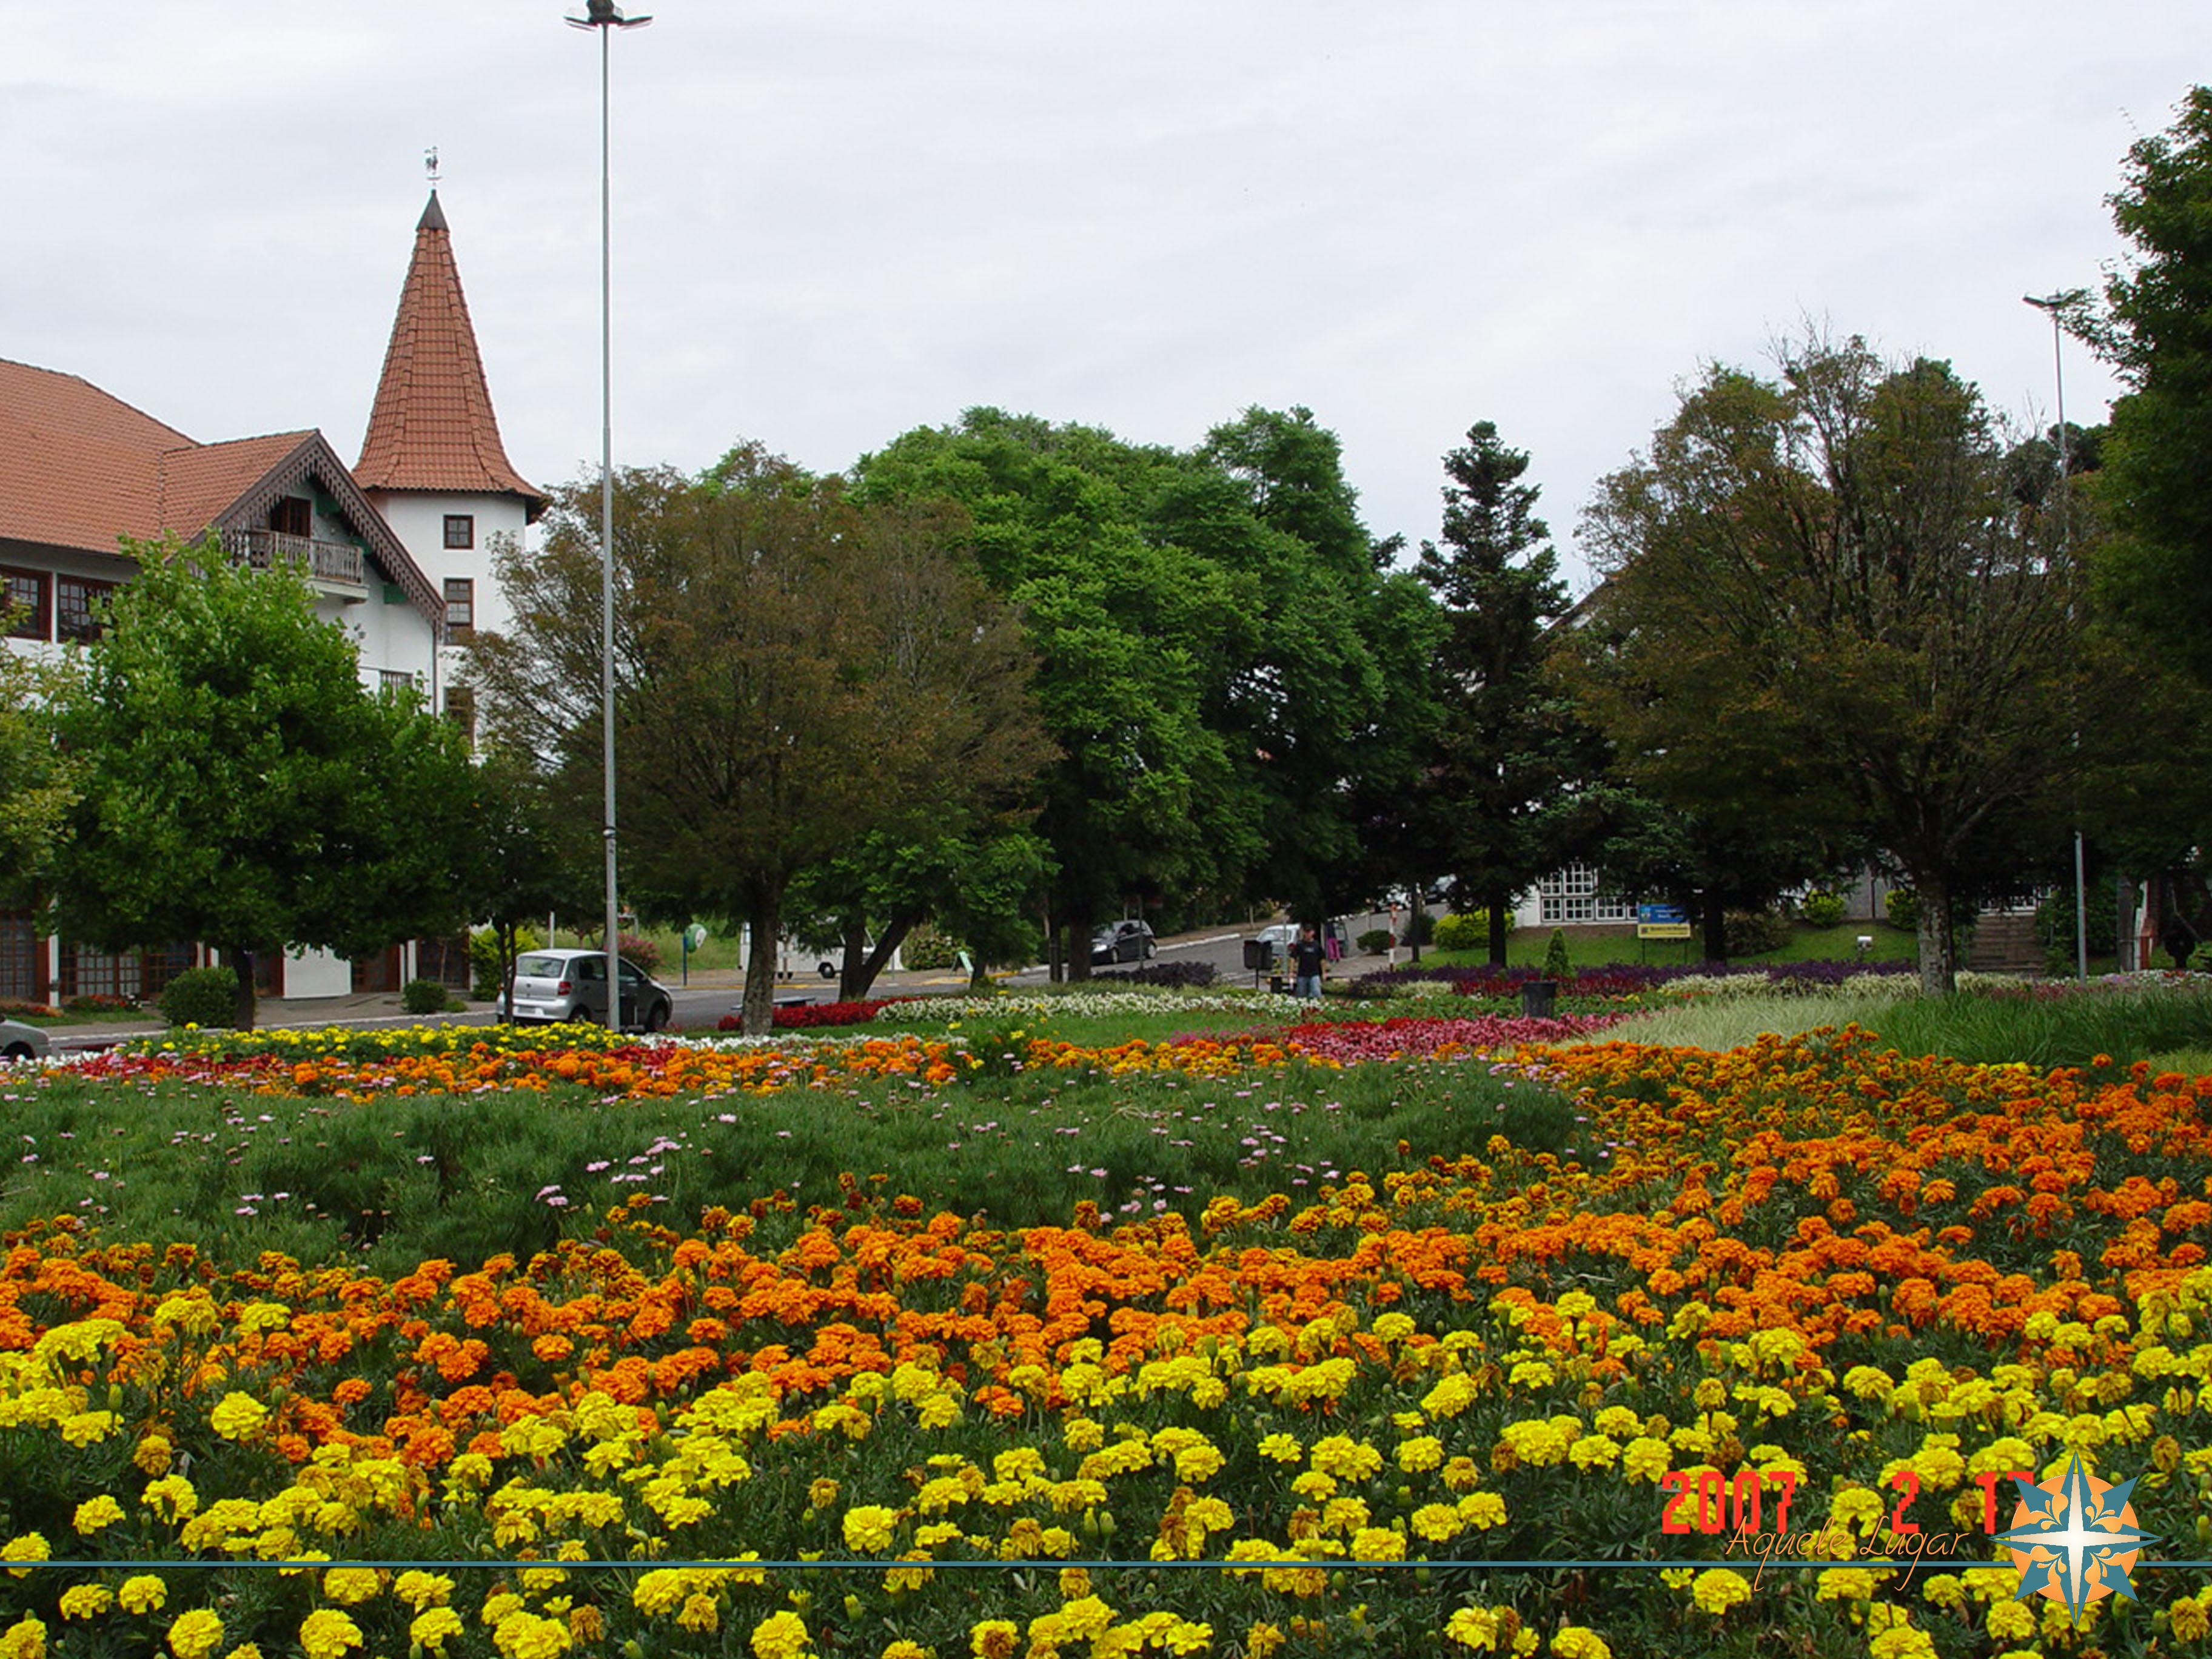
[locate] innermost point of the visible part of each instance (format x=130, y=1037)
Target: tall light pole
x=2057, y=305
x=606, y=17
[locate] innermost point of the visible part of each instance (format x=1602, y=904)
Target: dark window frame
x=66, y=626
x=39, y=624
x=461, y=596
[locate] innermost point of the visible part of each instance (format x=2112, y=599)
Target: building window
x=1577, y=894
x=461, y=709
x=460, y=529
x=393, y=679
x=460, y=608
x=74, y=616
x=291, y=516
x=26, y=604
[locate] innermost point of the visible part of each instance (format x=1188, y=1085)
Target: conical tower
x=432, y=460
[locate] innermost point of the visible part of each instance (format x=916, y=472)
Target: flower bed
x=1811, y=1267
x=1639, y=979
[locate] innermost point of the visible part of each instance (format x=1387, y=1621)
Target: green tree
x=531, y=854
x=796, y=671
x=1509, y=749
x=38, y=781
x=1824, y=608
x=2155, y=571
x=240, y=784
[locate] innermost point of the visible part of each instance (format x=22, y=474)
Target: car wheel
x=1151, y=950
x=17, y=1051
x=828, y=970
x=656, y=1018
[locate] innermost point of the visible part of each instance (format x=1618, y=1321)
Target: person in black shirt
x=1307, y=957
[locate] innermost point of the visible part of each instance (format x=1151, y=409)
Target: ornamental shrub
x=1823, y=908
x=1462, y=930
x=1902, y=906
x=1420, y=928
x=2200, y=959
x=925, y=948
x=1375, y=941
x=200, y=996
x=1176, y=975
x=1754, y=933
x=1558, y=964
x=2054, y=928
x=422, y=996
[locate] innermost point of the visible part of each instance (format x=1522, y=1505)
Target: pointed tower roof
x=432, y=427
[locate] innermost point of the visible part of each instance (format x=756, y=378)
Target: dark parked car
x=571, y=985
x=1123, y=941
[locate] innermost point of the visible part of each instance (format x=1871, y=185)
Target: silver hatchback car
x=571, y=985
x=21, y=1042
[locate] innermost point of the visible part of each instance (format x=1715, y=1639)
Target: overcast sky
x=839, y=219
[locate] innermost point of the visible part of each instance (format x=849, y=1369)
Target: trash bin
x=1538, y=996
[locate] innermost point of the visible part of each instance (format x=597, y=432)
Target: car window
x=539, y=967
x=591, y=968
x=631, y=975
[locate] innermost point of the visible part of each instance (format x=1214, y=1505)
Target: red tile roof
x=78, y=467
x=432, y=427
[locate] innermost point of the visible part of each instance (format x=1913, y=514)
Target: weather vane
x=430, y=165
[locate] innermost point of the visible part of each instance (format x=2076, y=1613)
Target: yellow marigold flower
x=700, y=1613
x=779, y=1635
x=97, y=1512
x=142, y=1592
x=1420, y=1454
x=1345, y=1458
x=420, y=1589
x=352, y=1585
x=238, y=1415
x=1645, y=1458
x=1263, y=1640
x=196, y=1634
x=326, y=1634
x=1718, y=1588
x=1855, y=1506
x=86, y=1600
x=1282, y=1448
x=431, y=1629
x=1378, y=1544
x=903, y=1648
x=524, y=1635
x=28, y=1547
x=1579, y=1642
x=1846, y=1585
x=86, y=1428
x=1482, y=1509
x=24, y=1639
x=994, y=1639
x=170, y=1497
x=153, y=1454
x=1479, y=1628
x=1437, y=1522
x=868, y=1527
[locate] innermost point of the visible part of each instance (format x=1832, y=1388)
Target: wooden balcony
x=334, y=567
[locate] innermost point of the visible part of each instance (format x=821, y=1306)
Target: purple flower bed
x=1622, y=979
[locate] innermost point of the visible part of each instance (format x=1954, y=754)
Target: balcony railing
x=333, y=564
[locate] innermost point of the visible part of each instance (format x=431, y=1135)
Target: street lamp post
x=2056, y=305
x=605, y=16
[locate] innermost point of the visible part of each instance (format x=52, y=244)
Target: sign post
x=1662, y=921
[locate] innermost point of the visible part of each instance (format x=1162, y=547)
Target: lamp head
x=603, y=15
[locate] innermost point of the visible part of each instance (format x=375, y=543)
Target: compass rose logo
x=2074, y=1539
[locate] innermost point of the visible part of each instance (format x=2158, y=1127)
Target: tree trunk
x=1413, y=923
x=1055, y=963
x=505, y=932
x=861, y=967
x=855, y=974
x=243, y=1010
x=1712, y=917
x=1078, y=947
x=763, y=919
x=1494, y=901
x=1939, y=957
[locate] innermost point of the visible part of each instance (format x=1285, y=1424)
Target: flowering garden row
x=1811, y=1263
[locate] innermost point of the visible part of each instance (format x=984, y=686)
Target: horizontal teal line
x=1328, y=1564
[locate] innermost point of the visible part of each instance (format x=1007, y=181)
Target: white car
x=21, y=1042
x=559, y=985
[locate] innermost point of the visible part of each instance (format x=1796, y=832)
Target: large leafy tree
x=2156, y=568
x=242, y=786
x=1824, y=608
x=796, y=671
x=1509, y=749
x=1207, y=625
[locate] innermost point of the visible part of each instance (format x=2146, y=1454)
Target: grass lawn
x=1594, y=947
